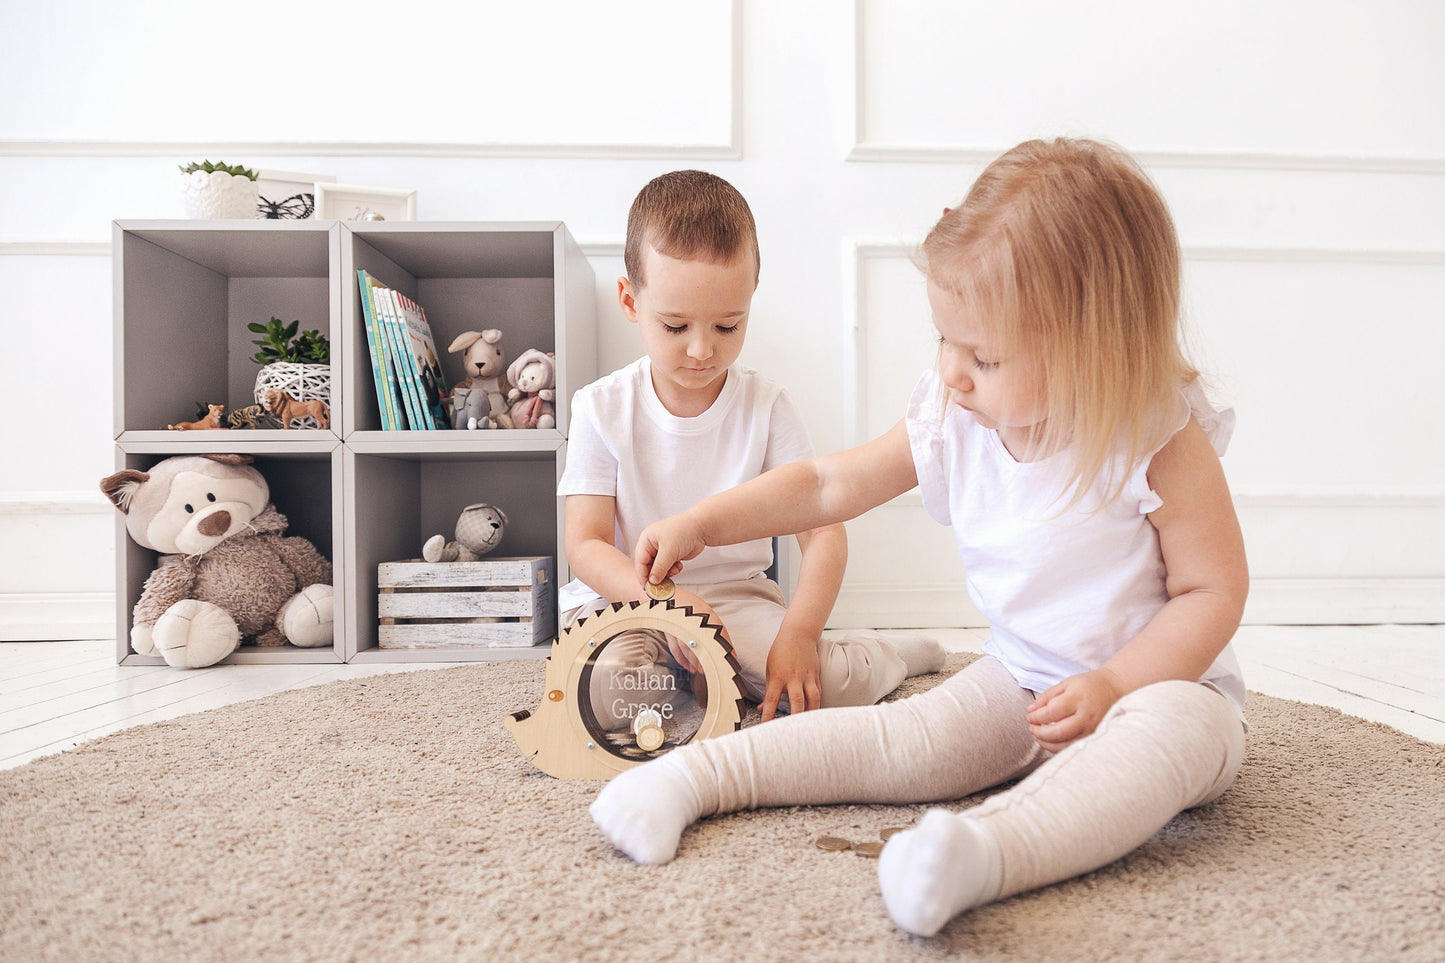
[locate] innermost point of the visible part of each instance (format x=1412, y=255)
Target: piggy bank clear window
x=641, y=697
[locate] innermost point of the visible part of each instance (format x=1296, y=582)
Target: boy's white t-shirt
x=1061, y=592
x=622, y=442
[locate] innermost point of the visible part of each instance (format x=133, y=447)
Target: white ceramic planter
x=216, y=194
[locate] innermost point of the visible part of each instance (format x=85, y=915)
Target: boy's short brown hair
x=690, y=215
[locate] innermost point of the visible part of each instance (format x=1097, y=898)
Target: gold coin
x=661, y=591
x=871, y=850
x=650, y=737
x=889, y=833
x=834, y=844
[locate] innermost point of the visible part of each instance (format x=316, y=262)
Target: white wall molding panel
x=1337, y=529
x=501, y=80
x=1237, y=84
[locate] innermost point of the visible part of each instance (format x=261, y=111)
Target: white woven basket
x=304, y=382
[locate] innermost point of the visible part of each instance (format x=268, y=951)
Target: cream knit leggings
x=1160, y=750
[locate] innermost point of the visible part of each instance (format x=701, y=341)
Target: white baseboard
x=1317, y=557
x=1345, y=601
x=57, y=616
x=879, y=606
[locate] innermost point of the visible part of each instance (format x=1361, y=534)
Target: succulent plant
x=235, y=170
x=280, y=341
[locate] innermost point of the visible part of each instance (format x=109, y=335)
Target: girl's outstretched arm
x=794, y=498
x=1206, y=577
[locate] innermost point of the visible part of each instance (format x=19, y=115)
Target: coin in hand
x=661, y=591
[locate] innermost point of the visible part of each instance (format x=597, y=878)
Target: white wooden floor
x=56, y=695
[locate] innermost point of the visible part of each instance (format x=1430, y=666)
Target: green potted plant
x=219, y=190
x=295, y=364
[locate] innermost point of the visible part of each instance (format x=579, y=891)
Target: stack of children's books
x=411, y=390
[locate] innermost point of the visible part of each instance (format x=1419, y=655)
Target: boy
x=686, y=421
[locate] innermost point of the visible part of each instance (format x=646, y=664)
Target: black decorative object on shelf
x=295, y=207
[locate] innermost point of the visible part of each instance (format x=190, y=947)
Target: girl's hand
x=1073, y=708
x=663, y=547
x=793, y=670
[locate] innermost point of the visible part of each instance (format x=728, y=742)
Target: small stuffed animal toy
x=226, y=571
x=535, y=377
x=479, y=530
x=479, y=400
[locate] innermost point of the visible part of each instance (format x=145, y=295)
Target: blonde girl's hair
x=691, y=215
x=1067, y=250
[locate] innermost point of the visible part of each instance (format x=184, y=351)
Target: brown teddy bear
x=226, y=571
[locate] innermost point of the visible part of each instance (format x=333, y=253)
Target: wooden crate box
x=441, y=605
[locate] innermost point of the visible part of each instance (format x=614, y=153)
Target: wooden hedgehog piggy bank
x=616, y=694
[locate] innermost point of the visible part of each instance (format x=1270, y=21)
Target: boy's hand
x=663, y=547
x=1073, y=708
x=792, y=670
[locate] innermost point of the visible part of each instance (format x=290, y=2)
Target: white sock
x=644, y=810
x=929, y=874
x=920, y=655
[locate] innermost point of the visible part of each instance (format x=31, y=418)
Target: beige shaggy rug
x=394, y=819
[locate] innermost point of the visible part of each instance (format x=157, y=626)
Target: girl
x=1066, y=441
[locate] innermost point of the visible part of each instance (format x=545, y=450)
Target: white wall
x=1302, y=148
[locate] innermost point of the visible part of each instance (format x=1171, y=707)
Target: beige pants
x=857, y=668
x=1160, y=750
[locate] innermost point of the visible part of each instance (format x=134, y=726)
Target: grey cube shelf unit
x=184, y=292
